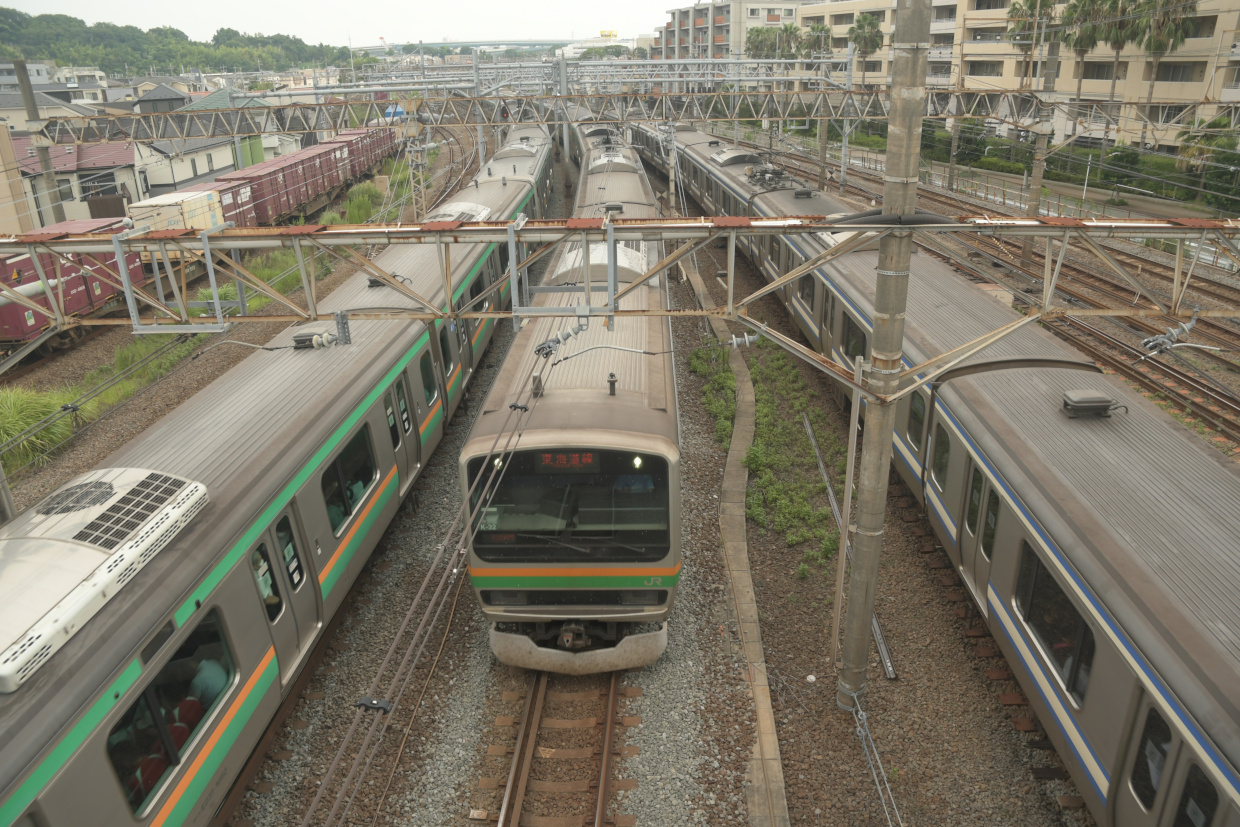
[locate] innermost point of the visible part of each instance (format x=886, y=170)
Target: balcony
x=941, y=52
x=939, y=79
x=669, y=25
x=773, y=18
x=684, y=24
x=1230, y=92
x=720, y=38
x=700, y=21
x=720, y=20
x=942, y=24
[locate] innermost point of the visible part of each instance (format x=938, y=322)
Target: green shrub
x=20, y=409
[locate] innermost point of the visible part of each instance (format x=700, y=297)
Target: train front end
x=576, y=548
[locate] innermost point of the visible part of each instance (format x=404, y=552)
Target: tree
x=1164, y=24
x=867, y=37
x=817, y=40
x=760, y=43
x=640, y=53
x=1120, y=163
x=1082, y=26
x=1028, y=22
x=1202, y=144
x=1121, y=28
x=789, y=40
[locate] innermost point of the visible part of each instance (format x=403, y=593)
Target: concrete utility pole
x=45, y=156
x=1050, y=68
x=848, y=74
x=822, y=129
x=910, y=44
x=564, y=91
x=482, y=142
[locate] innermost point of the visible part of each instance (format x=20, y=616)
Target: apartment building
x=718, y=30
x=968, y=51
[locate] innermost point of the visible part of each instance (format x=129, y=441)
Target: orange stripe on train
x=361, y=518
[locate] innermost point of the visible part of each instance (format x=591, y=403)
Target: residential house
x=161, y=98
x=254, y=148
x=79, y=74
x=85, y=93
x=38, y=72
x=13, y=111
x=165, y=166
x=94, y=180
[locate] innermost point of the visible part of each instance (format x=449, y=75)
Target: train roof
x=243, y=437
x=576, y=396
x=1140, y=507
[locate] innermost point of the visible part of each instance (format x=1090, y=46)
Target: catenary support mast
x=910, y=43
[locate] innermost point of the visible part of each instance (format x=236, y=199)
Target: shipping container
x=236, y=200
x=179, y=210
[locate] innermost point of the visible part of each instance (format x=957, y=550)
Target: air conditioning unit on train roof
x=64, y=559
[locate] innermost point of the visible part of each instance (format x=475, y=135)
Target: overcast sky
x=324, y=21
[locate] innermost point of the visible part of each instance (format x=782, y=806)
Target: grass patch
x=719, y=392
x=786, y=493
x=21, y=408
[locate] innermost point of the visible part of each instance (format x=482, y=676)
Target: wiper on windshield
x=557, y=542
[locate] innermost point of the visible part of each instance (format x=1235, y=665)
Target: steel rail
x=523, y=752
x=605, y=764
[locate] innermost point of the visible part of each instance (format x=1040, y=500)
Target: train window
x=345, y=481
x=445, y=345
x=475, y=290
x=389, y=411
x=1198, y=802
x=150, y=738
x=854, y=339
x=286, y=542
x=428, y=379
x=975, y=501
x=260, y=564
x=942, y=454
x=503, y=259
x=992, y=526
x=916, y=410
x=1147, y=769
x=1066, y=638
x=806, y=290
x=402, y=402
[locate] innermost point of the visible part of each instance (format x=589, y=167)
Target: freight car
x=1101, y=551
x=575, y=553
x=156, y=611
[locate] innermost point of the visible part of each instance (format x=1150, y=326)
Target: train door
x=271, y=580
x=976, y=539
x=1145, y=785
x=399, y=417
x=804, y=306
x=825, y=320
x=429, y=401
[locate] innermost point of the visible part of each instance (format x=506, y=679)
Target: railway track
x=561, y=758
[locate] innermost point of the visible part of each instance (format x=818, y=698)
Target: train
x=575, y=552
x=156, y=611
x=1097, y=536
x=264, y=194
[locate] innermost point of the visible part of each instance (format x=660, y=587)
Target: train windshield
x=570, y=505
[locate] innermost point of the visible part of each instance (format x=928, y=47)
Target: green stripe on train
x=342, y=562
x=285, y=496
x=60, y=754
x=666, y=581
x=222, y=747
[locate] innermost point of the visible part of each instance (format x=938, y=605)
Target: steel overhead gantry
x=531, y=239
x=602, y=106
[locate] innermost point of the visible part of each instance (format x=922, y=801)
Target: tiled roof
x=83, y=156
x=163, y=92
x=219, y=100
x=13, y=100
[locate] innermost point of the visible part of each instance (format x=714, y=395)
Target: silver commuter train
x=155, y=611
x=575, y=557
x=1104, y=554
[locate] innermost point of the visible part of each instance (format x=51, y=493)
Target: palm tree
x=1121, y=28
x=1027, y=25
x=1082, y=28
x=1200, y=143
x=1164, y=26
x=867, y=36
x=760, y=43
x=789, y=38
x=817, y=40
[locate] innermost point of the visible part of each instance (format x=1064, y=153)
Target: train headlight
x=641, y=598
x=504, y=598
x=637, y=462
